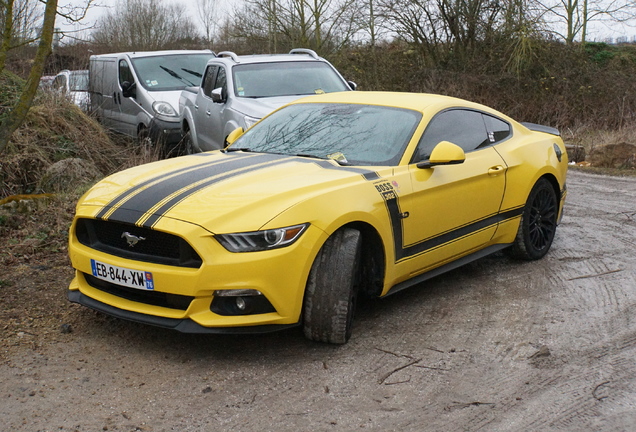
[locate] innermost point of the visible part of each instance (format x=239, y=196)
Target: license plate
x=122, y=276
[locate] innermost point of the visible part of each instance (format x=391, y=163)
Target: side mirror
x=218, y=96
x=233, y=136
x=444, y=153
x=128, y=89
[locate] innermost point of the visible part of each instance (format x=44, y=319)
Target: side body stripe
x=403, y=252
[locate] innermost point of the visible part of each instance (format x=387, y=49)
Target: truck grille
x=156, y=247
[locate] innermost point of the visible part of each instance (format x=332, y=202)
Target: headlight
x=261, y=240
x=250, y=121
x=164, y=109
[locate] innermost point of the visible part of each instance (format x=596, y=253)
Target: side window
x=465, y=128
x=498, y=130
x=208, y=80
x=221, y=81
x=124, y=72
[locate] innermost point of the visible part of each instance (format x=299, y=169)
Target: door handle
x=493, y=171
x=196, y=107
x=208, y=113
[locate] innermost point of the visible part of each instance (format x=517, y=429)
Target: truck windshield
x=171, y=71
x=258, y=80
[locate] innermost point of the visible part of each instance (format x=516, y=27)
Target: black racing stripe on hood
x=149, y=197
x=129, y=192
x=154, y=218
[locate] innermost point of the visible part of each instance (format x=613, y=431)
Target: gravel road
x=498, y=345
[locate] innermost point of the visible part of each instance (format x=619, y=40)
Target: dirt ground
x=498, y=345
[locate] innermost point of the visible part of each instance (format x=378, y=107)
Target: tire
x=143, y=138
x=332, y=291
x=186, y=146
x=538, y=223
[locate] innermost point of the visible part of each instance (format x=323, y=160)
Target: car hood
x=260, y=107
x=221, y=192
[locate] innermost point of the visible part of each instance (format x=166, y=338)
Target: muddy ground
x=498, y=345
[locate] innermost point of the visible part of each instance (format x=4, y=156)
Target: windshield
x=78, y=81
x=171, y=71
x=350, y=134
x=286, y=78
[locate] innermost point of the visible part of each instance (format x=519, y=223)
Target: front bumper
x=279, y=274
x=184, y=325
x=166, y=133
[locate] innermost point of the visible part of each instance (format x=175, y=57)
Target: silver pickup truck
x=237, y=91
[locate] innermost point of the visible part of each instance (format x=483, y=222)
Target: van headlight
x=164, y=109
x=261, y=240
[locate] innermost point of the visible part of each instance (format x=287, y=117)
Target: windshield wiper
x=235, y=149
x=191, y=72
x=176, y=75
x=339, y=162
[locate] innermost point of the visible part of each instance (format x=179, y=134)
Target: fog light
x=240, y=304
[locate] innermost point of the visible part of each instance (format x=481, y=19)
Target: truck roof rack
x=309, y=52
x=229, y=54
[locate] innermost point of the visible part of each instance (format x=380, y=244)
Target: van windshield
x=78, y=80
x=170, y=71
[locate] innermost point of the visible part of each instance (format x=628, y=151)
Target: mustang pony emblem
x=131, y=239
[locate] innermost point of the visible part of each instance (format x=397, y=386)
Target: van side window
x=208, y=80
x=124, y=72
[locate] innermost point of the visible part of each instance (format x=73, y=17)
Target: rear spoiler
x=540, y=128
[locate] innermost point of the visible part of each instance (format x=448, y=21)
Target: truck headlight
x=261, y=240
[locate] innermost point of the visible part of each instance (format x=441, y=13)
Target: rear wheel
x=332, y=291
x=538, y=223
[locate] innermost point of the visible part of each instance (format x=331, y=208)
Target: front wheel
x=538, y=223
x=332, y=291
x=186, y=146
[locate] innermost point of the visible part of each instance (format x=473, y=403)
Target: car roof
x=268, y=58
x=422, y=102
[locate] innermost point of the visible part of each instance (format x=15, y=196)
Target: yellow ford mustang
x=328, y=199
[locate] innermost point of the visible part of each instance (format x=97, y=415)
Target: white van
x=137, y=93
x=74, y=85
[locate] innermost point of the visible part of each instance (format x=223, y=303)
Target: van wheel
x=143, y=137
x=332, y=289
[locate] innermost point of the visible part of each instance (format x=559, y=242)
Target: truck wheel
x=538, y=223
x=332, y=291
x=186, y=145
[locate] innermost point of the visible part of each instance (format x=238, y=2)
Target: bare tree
x=576, y=15
x=144, y=25
x=208, y=17
x=324, y=25
x=16, y=115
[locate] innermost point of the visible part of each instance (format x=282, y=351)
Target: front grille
x=155, y=298
x=156, y=247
